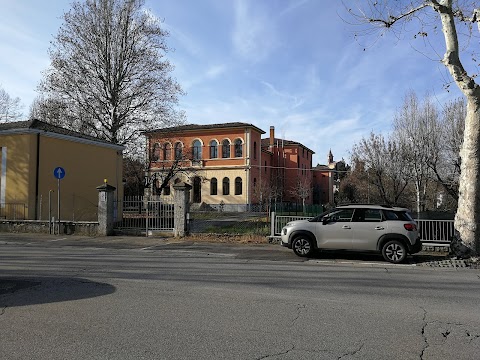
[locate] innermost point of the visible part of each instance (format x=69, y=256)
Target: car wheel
x=302, y=246
x=394, y=251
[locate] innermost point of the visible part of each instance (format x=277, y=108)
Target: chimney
x=272, y=136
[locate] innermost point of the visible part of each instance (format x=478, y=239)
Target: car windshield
x=320, y=217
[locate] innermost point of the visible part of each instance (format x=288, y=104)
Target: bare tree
x=302, y=190
x=165, y=161
x=385, y=166
x=54, y=110
x=417, y=131
x=455, y=19
x=108, y=69
x=446, y=166
x=266, y=193
x=10, y=108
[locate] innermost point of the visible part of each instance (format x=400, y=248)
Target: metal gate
x=146, y=214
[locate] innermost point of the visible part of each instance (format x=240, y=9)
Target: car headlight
x=285, y=229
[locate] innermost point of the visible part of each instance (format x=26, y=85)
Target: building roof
x=283, y=142
x=321, y=167
x=194, y=127
x=39, y=126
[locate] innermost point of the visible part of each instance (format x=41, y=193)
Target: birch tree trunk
x=467, y=216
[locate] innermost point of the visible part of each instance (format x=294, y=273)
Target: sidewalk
x=127, y=242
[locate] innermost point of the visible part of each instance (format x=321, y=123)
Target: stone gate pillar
x=106, y=209
x=181, y=208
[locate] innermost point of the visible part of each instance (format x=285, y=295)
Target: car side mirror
x=325, y=220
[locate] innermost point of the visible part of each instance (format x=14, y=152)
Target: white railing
x=431, y=231
x=278, y=222
x=436, y=231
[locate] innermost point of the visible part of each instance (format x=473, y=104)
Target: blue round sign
x=59, y=173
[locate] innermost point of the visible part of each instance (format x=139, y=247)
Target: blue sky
x=293, y=64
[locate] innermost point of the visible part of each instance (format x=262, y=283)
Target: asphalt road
x=163, y=300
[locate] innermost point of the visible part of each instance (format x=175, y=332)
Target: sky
x=291, y=64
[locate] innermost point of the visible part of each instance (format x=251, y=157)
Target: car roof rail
x=367, y=204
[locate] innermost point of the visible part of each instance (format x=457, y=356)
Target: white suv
x=381, y=228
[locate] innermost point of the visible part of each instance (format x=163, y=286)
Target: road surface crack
x=299, y=312
x=352, y=353
x=424, y=336
x=471, y=337
x=2, y=311
x=277, y=354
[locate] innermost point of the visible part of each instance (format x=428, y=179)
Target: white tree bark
x=467, y=216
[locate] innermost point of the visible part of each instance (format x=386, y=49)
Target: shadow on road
x=373, y=257
x=30, y=291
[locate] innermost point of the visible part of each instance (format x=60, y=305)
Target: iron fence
x=146, y=214
x=13, y=211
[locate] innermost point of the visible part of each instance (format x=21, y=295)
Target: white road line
x=149, y=247
x=57, y=239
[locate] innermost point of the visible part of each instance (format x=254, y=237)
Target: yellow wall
x=227, y=199
x=86, y=166
x=18, y=174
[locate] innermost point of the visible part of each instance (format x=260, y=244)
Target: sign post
x=59, y=174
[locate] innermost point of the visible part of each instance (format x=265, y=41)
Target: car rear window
x=397, y=215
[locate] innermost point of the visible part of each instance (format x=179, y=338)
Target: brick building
x=229, y=164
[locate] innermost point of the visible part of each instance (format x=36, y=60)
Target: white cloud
x=293, y=6
x=296, y=101
x=253, y=35
x=186, y=42
x=215, y=71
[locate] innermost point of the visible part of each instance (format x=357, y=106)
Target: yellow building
x=30, y=151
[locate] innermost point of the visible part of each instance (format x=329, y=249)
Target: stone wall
x=87, y=228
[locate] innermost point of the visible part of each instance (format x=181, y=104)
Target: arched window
x=254, y=149
x=213, y=186
x=225, y=148
x=197, y=150
x=156, y=152
x=213, y=149
x=167, y=151
x=238, y=148
x=226, y=186
x=238, y=186
x=178, y=151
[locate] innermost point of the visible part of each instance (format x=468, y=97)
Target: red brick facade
x=231, y=164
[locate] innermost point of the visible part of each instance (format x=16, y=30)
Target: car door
x=367, y=227
x=336, y=231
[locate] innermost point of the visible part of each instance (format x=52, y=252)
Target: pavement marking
x=57, y=239
x=149, y=247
